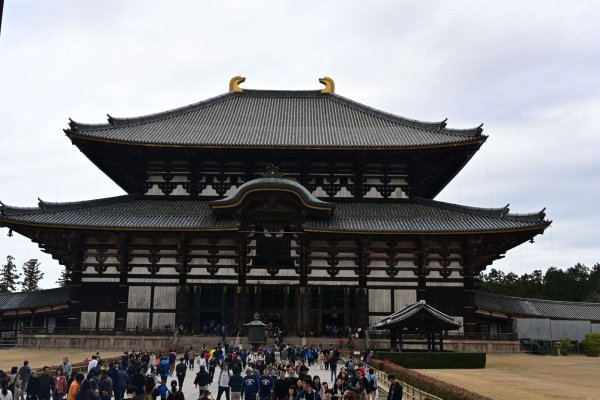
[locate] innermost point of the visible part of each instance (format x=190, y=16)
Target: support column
x=470, y=327
x=393, y=340
x=74, y=315
x=123, y=256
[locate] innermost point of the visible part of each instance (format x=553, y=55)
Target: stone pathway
x=191, y=393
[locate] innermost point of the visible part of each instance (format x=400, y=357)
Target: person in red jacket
x=59, y=385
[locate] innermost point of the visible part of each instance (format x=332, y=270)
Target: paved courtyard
x=191, y=393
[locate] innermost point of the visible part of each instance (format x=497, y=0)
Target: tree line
x=576, y=283
x=29, y=278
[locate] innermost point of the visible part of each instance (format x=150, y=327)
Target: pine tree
x=8, y=276
x=64, y=279
x=31, y=275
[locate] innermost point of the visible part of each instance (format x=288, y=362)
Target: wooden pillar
x=441, y=341
x=421, y=264
x=74, y=314
x=124, y=258
x=393, y=340
x=401, y=342
x=347, y=310
x=242, y=268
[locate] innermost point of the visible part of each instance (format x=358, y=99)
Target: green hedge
x=426, y=360
x=427, y=383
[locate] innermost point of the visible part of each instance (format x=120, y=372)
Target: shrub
x=426, y=383
x=565, y=346
x=426, y=360
x=591, y=344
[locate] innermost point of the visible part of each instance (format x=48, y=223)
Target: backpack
x=371, y=384
x=350, y=365
x=148, y=396
x=161, y=369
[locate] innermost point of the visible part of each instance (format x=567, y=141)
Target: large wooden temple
x=306, y=206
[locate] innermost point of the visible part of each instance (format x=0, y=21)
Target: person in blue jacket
x=266, y=385
x=250, y=385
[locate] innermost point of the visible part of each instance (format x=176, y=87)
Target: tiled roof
x=421, y=215
x=416, y=216
x=274, y=183
x=35, y=299
x=536, y=308
x=276, y=119
x=401, y=317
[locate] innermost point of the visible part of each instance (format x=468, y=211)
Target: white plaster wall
x=106, y=320
x=160, y=320
x=165, y=297
x=373, y=320
x=88, y=320
x=137, y=319
x=404, y=297
x=379, y=300
x=139, y=297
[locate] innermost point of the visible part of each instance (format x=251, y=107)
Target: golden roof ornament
x=329, y=85
x=234, y=84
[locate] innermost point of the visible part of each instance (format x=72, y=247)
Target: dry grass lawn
x=528, y=377
x=39, y=358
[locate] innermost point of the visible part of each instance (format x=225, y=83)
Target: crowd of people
x=277, y=373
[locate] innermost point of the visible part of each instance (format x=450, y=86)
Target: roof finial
x=234, y=84
x=329, y=85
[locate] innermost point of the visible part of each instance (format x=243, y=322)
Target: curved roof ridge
x=531, y=299
x=44, y=206
x=115, y=122
x=500, y=212
x=73, y=205
x=490, y=212
x=431, y=126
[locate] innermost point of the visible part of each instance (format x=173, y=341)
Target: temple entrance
x=333, y=319
x=210, y=323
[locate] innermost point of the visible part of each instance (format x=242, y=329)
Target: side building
x=308, y=207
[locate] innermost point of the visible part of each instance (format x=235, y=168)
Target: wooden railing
x=408, y=392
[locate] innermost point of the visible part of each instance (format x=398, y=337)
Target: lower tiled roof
x=415, y=216
x=403, y=316
x=35, y=299
x=537, y=308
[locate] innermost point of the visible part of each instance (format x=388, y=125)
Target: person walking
x=266, y=385
x=5, y=394
x=44, y=384
x=59, y=385
x=202, y=380
x=395, y=390
x=236, y=383
x=32, y=386
x=223, y=382
x=25, y=374
x=180, y=371
x=75, y=385
x=250, y=385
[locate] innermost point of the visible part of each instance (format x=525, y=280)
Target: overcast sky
x=530, y=71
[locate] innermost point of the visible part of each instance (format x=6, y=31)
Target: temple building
x=305, y=206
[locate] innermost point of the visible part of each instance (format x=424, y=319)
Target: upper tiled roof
x=415, y=216
x=276, y=119
x=35, y=299
x=401, y=317
x=536, y=308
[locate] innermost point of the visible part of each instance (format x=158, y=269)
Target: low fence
x=408, y=392
x=94, y=342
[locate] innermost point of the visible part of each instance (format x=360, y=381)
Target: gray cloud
x=528, y=70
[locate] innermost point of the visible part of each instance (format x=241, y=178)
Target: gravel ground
x=529, y=377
